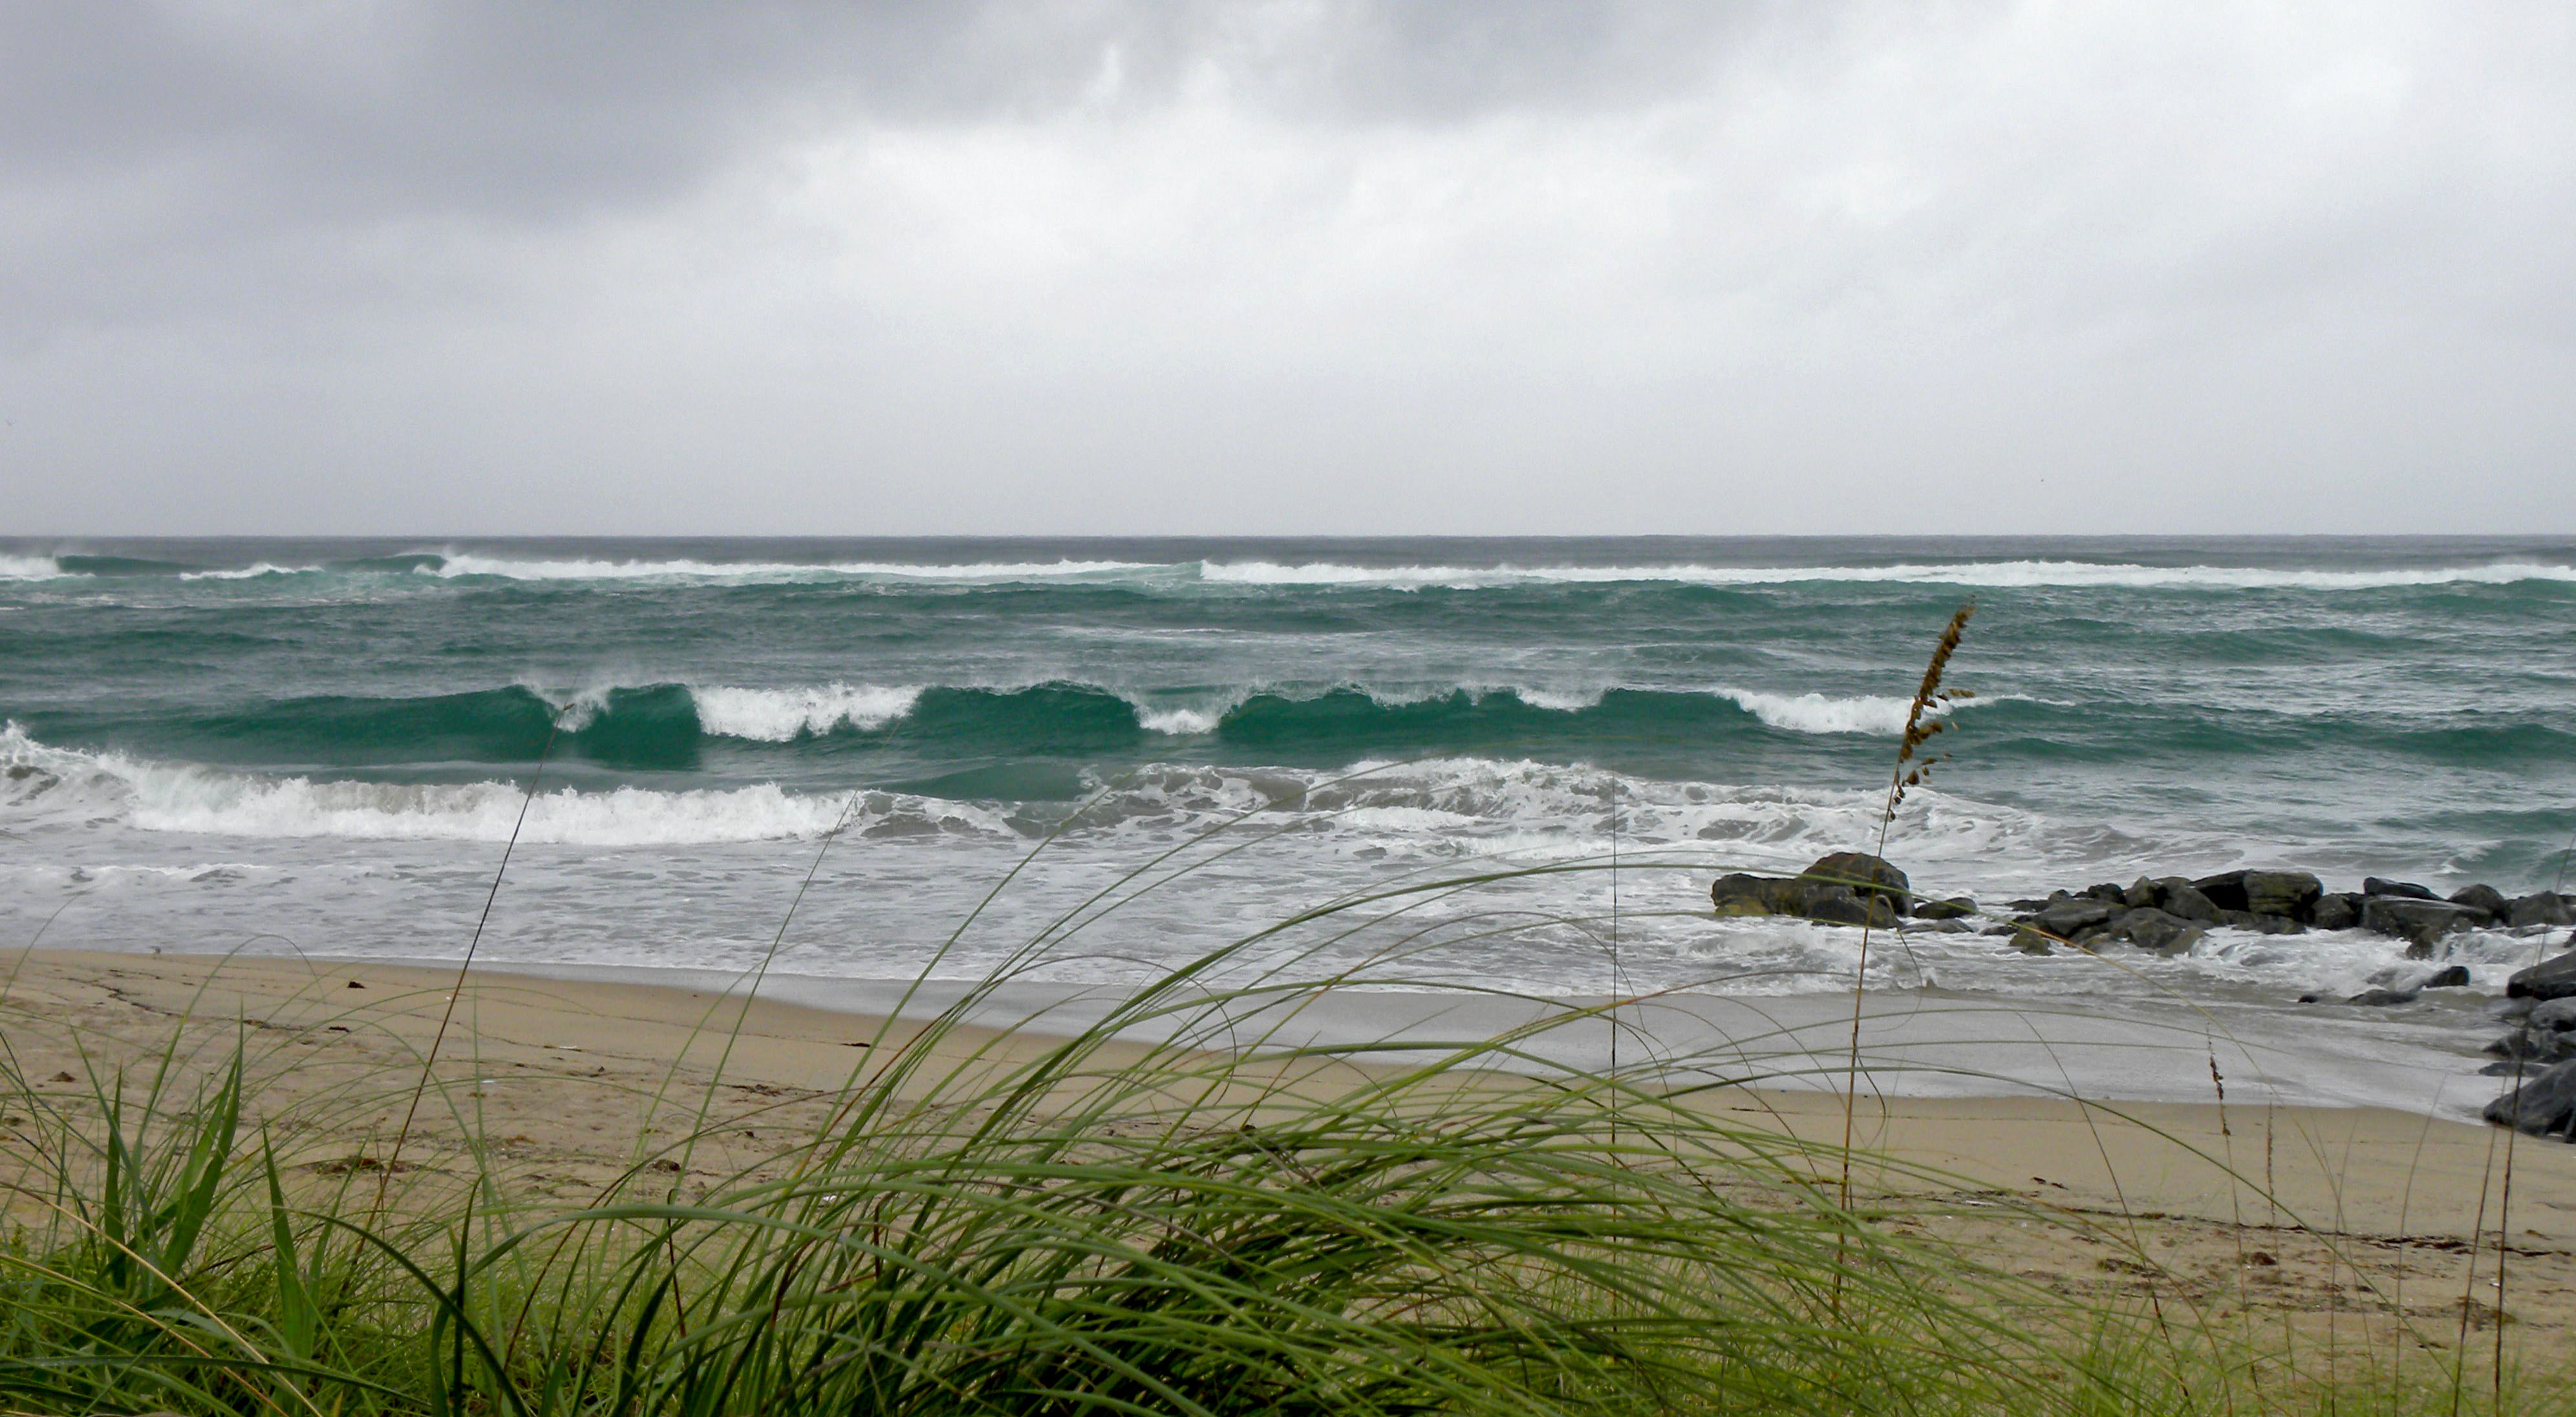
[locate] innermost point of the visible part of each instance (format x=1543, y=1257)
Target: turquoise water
x=322, y=745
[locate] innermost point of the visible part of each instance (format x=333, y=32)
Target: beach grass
x=987, y=1221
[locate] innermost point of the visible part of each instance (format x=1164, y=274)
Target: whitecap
x=784, y=715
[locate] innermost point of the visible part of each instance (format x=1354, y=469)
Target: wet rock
x=2153, y=929
x=2382, y=998
x=2108, y=893
x=2510, y=1008
x=2420, y=923
x=1841, y=905
x=1957, y=907
x=2483, y=898
x=2292, y=895
x=1945, y=927
x=2544, y=1106
x=2140, y=894
x=2541, y=908
x=1862, y=873
x=2176, y=896
x=2533, y=1045
x=2549, y=979
x=2070, y=918
x=2551, y=1016
x=2372, y=885
x=2449, y=976
x=1737, y=893
x=2032, y=941
x=2225, y=890
x=2336, y=910
x=2260, y=924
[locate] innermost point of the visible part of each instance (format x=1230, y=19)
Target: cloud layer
x=1293, y=267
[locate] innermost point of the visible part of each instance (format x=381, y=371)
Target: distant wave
x=1988, y=574
x=672, y=726
x=455, y=564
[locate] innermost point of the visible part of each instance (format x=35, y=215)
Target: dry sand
x=2334, y=1215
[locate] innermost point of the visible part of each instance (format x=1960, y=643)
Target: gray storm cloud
x=1092, y=267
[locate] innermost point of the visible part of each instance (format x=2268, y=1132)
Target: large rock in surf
x=2544, y=1106
x=2336, y=910
x=2486, y=900
x=2074, y=917
x=1845, y=888
x=2286, y=895
x=2420, y=923
x=2152, y=929
x=2176, y=896
x=2372, y=885
x=1863, y=873
x=2541, y=908
x=2549, y=979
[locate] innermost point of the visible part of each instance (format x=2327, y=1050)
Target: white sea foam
x=476, y=564
x=783, y=715
x=250, y=572
x=1180, y=722
x=1820, y=713
x=1983, y=574
x=28, y=568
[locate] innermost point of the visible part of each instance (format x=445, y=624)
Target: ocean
x=1130, y=753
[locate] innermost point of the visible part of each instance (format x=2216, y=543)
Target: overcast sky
x=1485, y=266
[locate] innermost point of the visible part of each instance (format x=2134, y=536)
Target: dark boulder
x=2382, y=998
x=2420, y=923
x=2226, y=890
x=1736, y=893
x=2449, y=976
x=2544, y=1106
x=2336, y=910
x=2108, y=893
x=2260, y=924
x=2176, y=896
x=2140, y=894
x=2068, y=919
x=1957, y=907
x=1841, y=905
x=2549, y=979
x=2372, y=885
x=2031, y=940
x=1862, y=873
x=2153, y=929
x=2290, y=895
x=2483, y=898
x=2541, y=908
x=2552, y=1016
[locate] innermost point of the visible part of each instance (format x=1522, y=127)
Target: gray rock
x=1957, y=907
x=2552, y=1015
x=2140, y=894
x=2032, y=941
x=1862, y=873
x=1841, y=905
x=2176, y=896
x=2544, y=1106
x=2509, y=1008
x=2449, y=976
x=2550, y=979
x=1944, y=927
x=2288, y=894
x=2372, y=885
x=2070, y=918
x=2260, y=924
x=2152, y=929
x=1739, y=894
x=2485, y=898
x=2108, y=893
x=2336, y=910
x=2420, y=923
x=2541, y=908
x=2226, y=890
x=2382, y=998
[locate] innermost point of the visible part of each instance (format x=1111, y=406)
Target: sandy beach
x=2331, y=1212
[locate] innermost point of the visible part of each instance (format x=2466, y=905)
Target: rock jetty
x=2167, y=915
x=2163, y=914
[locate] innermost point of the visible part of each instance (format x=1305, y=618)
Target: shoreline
x=2311, y=1210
